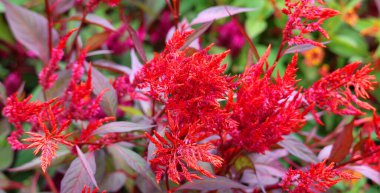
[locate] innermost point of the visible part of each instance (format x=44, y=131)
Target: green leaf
x=349, y=43
x=6, y=153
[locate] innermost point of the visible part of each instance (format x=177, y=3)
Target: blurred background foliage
x=354, y=35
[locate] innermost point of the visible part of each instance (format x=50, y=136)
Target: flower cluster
x=333, y=92
x=305, y=17
x=189, y=84
x=319, y=178
x=266, y=109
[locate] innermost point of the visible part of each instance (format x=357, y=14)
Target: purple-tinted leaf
x=86, y=166
x=301, y=48
x=99, y=52
x=94, y=19
x=60, y=6
x=121, y=127
x=218, y=12
x=135, y=161
x=135, y=67
x=76, y=177
x=109, y=99
x=113, y=182
x=298, y=149
x=30, y=29
x=36, y=163
x=342, y=145
x=97, y=40
x=367, y=172
x=137, y=43
x=110, y=65
x=208, y=184
x=60, y=85
x=325, y=153
x=196, y=34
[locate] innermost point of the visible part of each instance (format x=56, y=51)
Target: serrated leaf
x=218, y=12
x=86, y=165
x=35, y=163
x=208, y=184
x=30, y=29
x=76, y=176
x=121, y=127
x=135, y=161
x=298, y=149
x=113, y=182
x=109, y=99
x=342, y=145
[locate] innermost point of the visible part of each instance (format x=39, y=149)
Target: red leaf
x=109, y=99
x=120, y=127
x=196, y=34
x=302, y=48
x=86, y=165
x=297, y=148
x=137, y=43
x=219, y=12
x=76, y=176
x=367, y=172
x=208, y=184
x=30, y=29
x=342, y=145
x=94, y=19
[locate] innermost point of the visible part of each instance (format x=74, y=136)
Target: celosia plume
x=333, y=92
x=266, y=109
x=47, y=76
x=319, y=178
x=305, y=17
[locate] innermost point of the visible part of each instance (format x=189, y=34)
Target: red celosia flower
x=305, y=17
x=178, y=151
x=266, y=109
x=14, y=141
x=87, y=189
x=125, y=89
x=82, y=105
x=189, y=84
x=48, y=143
x=47, y=76
x=333, y=93
x=78, y=67
x=20, y=111
x=318, y=179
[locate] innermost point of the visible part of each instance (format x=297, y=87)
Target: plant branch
x=50, y=26
x=50, y=182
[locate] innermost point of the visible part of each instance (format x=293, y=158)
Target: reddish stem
x=48, y=15
x=50, y=182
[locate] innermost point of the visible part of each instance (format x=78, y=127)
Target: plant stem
x=50, y=182
x=74, y=44
x=48, y=15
